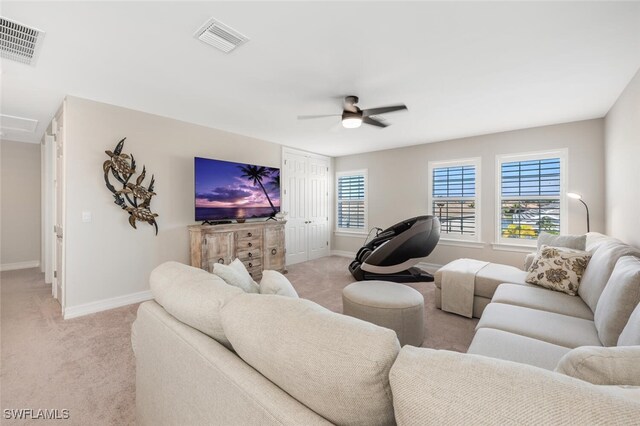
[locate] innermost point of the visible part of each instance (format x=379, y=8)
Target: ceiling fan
x=353, y=117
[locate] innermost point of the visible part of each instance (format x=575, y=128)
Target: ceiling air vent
x=19, y=42
x=220, y=36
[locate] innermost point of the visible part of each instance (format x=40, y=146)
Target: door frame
x=330, y=186
x=47, y=200
x=58, y=129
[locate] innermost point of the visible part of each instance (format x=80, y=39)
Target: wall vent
x=220, y=36
x=9, y=122
x=19, y=42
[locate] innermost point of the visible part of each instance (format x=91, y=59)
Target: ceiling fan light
x=351, y=122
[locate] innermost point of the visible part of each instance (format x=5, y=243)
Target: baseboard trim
x=421, y=265
x=429, y=266
x=343, y=253
x=20, y=265
x=106, y=304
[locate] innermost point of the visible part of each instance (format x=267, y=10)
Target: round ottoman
x=389, y=305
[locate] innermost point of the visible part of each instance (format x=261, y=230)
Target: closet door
x=305, y=198
x=294, y=203
x=318, y=208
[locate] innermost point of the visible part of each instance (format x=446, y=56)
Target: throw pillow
x=273, y=282
x=574, y=242
x=236, y=274
x=239, y=267
x=558, y=269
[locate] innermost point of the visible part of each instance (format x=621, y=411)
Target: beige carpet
x=86, y=364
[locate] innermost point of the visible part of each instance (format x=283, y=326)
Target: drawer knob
x=221, y=260
x=249, y=234
x=250, y=264
x=274, y=251
x=250, y=245
x=250, y=255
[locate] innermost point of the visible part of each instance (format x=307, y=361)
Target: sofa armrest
x=442, y=387
x=603, y=366
x=528, y=260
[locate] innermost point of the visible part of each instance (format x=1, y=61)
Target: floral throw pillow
x=558, y=269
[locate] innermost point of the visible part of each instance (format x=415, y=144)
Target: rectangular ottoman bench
x=486, y=282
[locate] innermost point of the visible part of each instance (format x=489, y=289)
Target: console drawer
x=248, y=255
x=247, y=244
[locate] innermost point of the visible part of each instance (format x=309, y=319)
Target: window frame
x=351, y=231
x=562, y=155
x=476, y=162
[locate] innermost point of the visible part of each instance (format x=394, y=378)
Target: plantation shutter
x=530, y=198
x=454, y=199
x=351, y=201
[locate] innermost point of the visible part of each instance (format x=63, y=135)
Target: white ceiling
x=461, y=68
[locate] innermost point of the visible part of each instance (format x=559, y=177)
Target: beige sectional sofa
x=491, y=276
x=207, y=354
x=536, y=326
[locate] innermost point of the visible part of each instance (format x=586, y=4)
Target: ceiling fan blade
x=309, y=117
x=382, y=110
x=369, y=120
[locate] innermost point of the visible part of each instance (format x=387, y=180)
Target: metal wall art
x=135, y=198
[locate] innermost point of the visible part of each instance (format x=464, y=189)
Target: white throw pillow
x=236, y=274
x=273, y=282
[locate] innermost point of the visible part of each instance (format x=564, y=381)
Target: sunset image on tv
x=227, y=190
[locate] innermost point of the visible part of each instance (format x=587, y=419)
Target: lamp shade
x=574, y=195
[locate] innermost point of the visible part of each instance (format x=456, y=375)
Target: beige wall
x=107, y=257
x=20, y=203
x=398, y=181
x=622, y=154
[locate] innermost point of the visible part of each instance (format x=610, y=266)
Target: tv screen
x=226, y=190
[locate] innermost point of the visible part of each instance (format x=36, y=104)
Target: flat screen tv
x=225, y=190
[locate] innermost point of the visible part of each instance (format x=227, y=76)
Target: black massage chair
x=393, y=252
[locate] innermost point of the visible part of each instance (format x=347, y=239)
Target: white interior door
x=294, y=203
x=58, y=276
x=318, y=208
x=306, y=200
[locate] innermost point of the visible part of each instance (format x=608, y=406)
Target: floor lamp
x=579, y=198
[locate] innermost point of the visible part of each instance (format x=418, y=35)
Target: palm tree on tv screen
x=256, y=174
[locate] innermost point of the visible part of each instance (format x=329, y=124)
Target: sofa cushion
x=192, y=296
x=595, y=239
x=433, y=387
x=600, y=268
x=514, y=347
x=631, y=333
x=334, y=364
x=558, y=329
x=273, y=282
x=575, y=242
x=543, y=300
x=558, y=269
x=618, y=300
x=603, y=366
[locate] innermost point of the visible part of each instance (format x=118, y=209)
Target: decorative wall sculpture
x=135, y=198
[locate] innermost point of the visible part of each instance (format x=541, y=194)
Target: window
x=352, y=201
x=530, y=196
x=454, y=198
